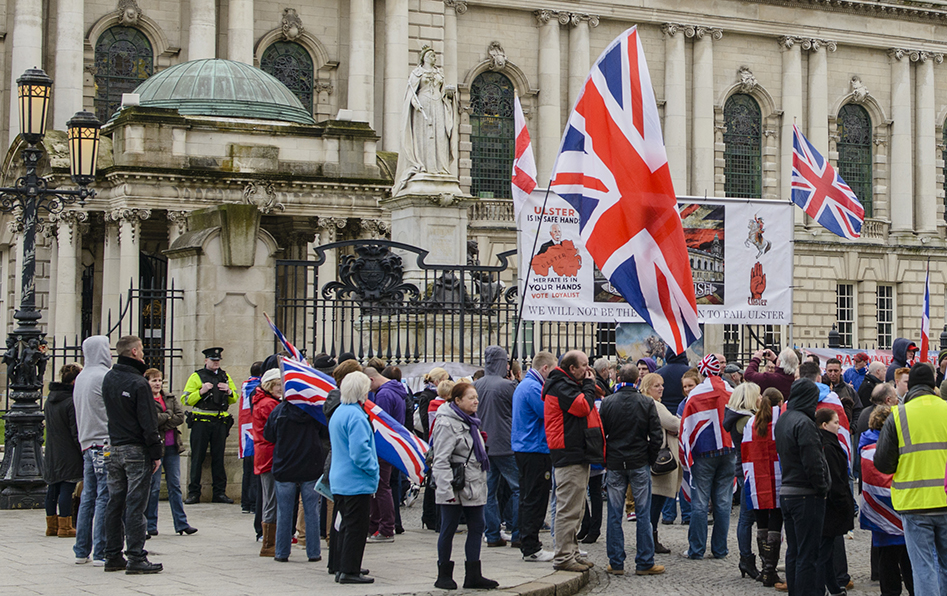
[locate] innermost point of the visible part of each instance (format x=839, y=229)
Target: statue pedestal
x=436, y=222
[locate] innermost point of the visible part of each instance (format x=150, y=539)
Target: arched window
x=743, y=158
x=491, y=136
x=291, y=64
x=854, y=152
x=123, y=59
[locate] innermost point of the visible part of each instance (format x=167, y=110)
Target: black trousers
x=535, y=484
x=430, y=518
x=802, y=518
x=204, y=434
x=347, y=544
x=894, y=566
x=250, y=487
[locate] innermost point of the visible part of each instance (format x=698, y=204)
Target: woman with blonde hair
x=744, y=402
x=437, y=386
x=664, y=486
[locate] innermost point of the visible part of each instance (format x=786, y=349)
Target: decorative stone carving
x=179, y=219
x=747, y=81
x=74, y=219
x=699, y=32
x=132, y=216
x=459, y=6
x=325, y=223
x=575, y=19
x=813, y=44
x=372, y=275
x=897, y=53
x=497, y=56
x=262, y=194
x=374, y=228
x=130, y=12
x=915, y=55
x=322, y=87
x=545, y=15
x=564, y=17
x=788, y=41
x=593, y=20
x=859, y=91
x=291, y=25
x=670, y=29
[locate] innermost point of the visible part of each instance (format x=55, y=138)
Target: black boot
x=659, y=549
x=748, y=567
x=474, y=580
x=445, y=576
x=770, y=559
x=142, y=566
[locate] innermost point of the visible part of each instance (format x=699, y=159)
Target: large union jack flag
x=702, y=421
x=397, y=445
x=612, y=167
x=829, y=399
x=820, y=191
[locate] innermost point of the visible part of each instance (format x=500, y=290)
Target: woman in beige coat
x=665, y=486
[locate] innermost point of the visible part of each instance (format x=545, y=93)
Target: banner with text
x=740, y=252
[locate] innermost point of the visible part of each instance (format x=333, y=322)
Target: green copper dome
x=222, y=88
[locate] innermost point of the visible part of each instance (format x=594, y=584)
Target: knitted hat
x=921, y=374
x=709, y=365
x=863, y=357
x=941, y=356
x=269, y=375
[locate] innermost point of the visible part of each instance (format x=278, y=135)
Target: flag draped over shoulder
x=244, y=418
x=524, y=164
x=761, y=471
x=702, y=422
x=306, y=387
x=396, y=444
x=612, y=168
x=877, y=512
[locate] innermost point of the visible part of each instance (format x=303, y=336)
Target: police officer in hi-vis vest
x=209, y=391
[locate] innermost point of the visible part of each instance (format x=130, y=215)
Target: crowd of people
x=784, y=438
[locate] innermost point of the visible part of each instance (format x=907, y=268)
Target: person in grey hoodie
x=495, y=391
x=92, y=422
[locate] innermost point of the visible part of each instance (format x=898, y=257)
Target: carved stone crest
x=130, y=12
x=262, y=194
x=291, y=24
x=859, y=91
x=497, y=56
x=746, y=79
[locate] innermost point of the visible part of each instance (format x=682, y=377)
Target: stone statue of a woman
x=427, y=123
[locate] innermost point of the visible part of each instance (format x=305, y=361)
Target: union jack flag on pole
x=296, y=354
x=820, y=191
x=612, y=168
x=306, y=387
x=397, y=445
x=926, y=318
x=524, y=164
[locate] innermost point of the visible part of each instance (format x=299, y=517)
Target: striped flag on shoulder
x=397, y=445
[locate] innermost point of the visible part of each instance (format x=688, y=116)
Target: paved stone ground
x=222, y=559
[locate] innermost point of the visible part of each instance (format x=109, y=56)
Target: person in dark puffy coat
x=839, y=504
x=63, y=457
x=902, y=353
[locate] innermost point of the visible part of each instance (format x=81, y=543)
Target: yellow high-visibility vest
x=918, y=482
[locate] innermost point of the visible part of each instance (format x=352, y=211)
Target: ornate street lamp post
x=21, y=472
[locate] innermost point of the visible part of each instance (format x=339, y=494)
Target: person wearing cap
x=733, y=375
x=856, y=374
x=912, y=445
x=265, y=399
x=209, y=391
x=902, y=353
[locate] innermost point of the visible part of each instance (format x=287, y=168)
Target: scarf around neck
x=478, y=447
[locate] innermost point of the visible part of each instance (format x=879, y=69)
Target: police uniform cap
x=212, y=353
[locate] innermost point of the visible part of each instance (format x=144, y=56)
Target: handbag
x=665, y=464
x=459, y=472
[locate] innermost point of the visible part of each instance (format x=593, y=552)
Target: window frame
x=857, y=171
x=490, y=174
x=888, y=320
x=286, y=48
x=845, y=325
x=743, y=180
x=109, y=87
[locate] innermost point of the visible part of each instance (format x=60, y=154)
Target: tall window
x=743, y=157
x=884, y=302
x=845, y=313
x=291, y=64
x=123, y=59
x=491, y=136
x=944, y=157
x=854, y=152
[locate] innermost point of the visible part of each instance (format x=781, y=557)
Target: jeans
x=802, y=518
x=926, y=538
x=711, y=477
x=95, y=497
x=285, y=504
x=450, y=519
x=60, y=494
x=505, y=466
x=745, y=529
x=535, y=483
x=617, y=482
x=129, y=470
x=826, y=565
x=204, y=434
x=171, y=462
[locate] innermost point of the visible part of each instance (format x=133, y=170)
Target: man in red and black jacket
x=574, y=434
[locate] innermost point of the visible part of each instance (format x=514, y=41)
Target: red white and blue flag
x=762, y=474
x=702, y=422
x=612, y=168
x=877, y=512
x=829, y=399
x=396, y=445
x=820, y=191
x=244, y=417
x=306, y=387
x=524, y=164
x=926, y=318
x=293, y=351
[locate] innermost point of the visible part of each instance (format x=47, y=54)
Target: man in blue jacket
x=528, y=440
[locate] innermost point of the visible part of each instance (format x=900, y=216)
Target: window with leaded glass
x=884, y=301
x=123, y=59
x=743, y=156
x=291, y=64
x=854, y=152
x=491, y=136
x=845, y=313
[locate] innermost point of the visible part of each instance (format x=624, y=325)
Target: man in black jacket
x=805, y=482
x=633, y=437
x=134, y=456
x=874, y=377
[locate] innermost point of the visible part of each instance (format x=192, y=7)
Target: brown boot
x=52, y=525
x=269, y=541
x=65, y=528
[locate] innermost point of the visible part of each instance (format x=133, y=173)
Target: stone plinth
x=436, y=222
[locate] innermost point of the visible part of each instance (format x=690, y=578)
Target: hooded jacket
x=672, y=372
x=62, y=457
x=633, y=433
x=573, y=426
x=131, y=407
x=528, y=434
x=899, y=357
x=867, y=388
x=390, y=397
x=91, y=419
x=804, y=470
x=263, y=406
x=496, y=401
x=297, y=444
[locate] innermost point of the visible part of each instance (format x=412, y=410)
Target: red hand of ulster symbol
x=757, y=282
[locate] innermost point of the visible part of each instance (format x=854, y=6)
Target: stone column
x=129, y=253
x=452, y=9
x=792, y=114
x=67, y=100
x=925, y=148
x=27, y=51
x=68, y=295
x=396, y=70
x=818, y=105
x=547, y=141
x=111, y=289
x=328, y=229
x=202, y=42
x=902, y=164
x=579, y=59
x=361, y=60
x=675, y=106
x=702, y=133
x=240, y=31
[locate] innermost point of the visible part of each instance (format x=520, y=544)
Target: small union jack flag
x=293, y=350
x=306, y=387
x=820, y=191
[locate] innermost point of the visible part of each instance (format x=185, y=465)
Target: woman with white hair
x=353, y=477
x=265, y=399
x=781, y=378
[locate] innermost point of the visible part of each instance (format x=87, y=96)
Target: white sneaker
x=583, y=553
x=540, y=556
x=505, y=536
x=98, y=563
x=82, y=560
